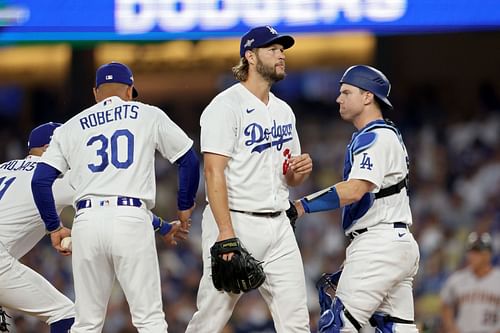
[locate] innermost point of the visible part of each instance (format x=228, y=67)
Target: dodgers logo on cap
x=115, y=72
x=264, y=36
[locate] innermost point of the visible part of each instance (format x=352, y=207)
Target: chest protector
x=361, y=141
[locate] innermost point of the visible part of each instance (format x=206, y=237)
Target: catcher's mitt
x=242, y=273
x=292, y=214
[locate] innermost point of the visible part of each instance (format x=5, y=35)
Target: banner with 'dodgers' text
x=80, y=20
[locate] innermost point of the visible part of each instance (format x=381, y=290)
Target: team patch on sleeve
x=366, y=162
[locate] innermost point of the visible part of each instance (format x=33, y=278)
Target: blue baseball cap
x=41, y=135
x=115, y=72
x=263, y=36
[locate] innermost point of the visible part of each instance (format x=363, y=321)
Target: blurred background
x=441, y=56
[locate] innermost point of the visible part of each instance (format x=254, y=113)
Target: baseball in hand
x=66, y=243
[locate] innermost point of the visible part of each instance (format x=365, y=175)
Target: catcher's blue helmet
x=370, y=79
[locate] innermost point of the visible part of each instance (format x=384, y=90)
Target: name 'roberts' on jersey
x=120, y=112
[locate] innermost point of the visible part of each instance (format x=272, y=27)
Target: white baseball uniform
x=477, y=300
x=21, y=228
x=383, y=256
x=259, y=139
x=110, y=148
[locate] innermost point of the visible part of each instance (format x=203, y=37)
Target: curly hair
x=240, y=71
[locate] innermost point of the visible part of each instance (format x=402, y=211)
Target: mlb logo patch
x=249, y=42
x=109, y=77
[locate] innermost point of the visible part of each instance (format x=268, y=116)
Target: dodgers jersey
x=477, y=300
x=110, y=149
x=21, y=226
x=377, y=154
x=259, y=139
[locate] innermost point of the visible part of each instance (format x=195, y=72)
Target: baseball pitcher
x=252, y=154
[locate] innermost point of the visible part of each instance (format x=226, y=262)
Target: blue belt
x=360, y=231
x=120, y=201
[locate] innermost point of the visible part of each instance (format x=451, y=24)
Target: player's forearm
x=217, y=198
x=352, y=190
x=160, y=225
x=324, y=200
x=41, y=186
x=447, y=319
x=339, y=195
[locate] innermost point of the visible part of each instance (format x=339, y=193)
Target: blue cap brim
x=285, y=40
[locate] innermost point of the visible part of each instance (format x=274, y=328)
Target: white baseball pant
x=272, y=241
x=116, y=241
x=377, y=276
x=23, y=289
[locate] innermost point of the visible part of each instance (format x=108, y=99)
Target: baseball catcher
x=241, y=273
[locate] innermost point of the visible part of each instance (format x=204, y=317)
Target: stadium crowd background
x=454, y=184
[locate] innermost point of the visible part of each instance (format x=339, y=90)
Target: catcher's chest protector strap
x=353, y=320
x=396, y=188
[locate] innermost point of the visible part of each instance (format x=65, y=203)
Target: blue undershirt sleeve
x=189, y=178
x=41, y=187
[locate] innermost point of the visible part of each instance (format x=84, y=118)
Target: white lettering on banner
x=301, y=12
x=215, y=18
x=260, y=12
x=135, y=17
x=142, y=16
x=172, y=19
x=385, y=10
x=351, y=9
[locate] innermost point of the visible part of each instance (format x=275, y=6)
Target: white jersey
x=108, y=157
x=258, y=138
x=477, y=300
x=21, y=226
x=377, y=154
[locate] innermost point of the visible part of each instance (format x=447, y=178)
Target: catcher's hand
x=292, y=214
x=241, y=273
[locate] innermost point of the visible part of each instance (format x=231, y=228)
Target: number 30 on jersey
x=122, y=141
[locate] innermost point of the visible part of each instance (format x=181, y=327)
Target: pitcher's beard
x=269, y=73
